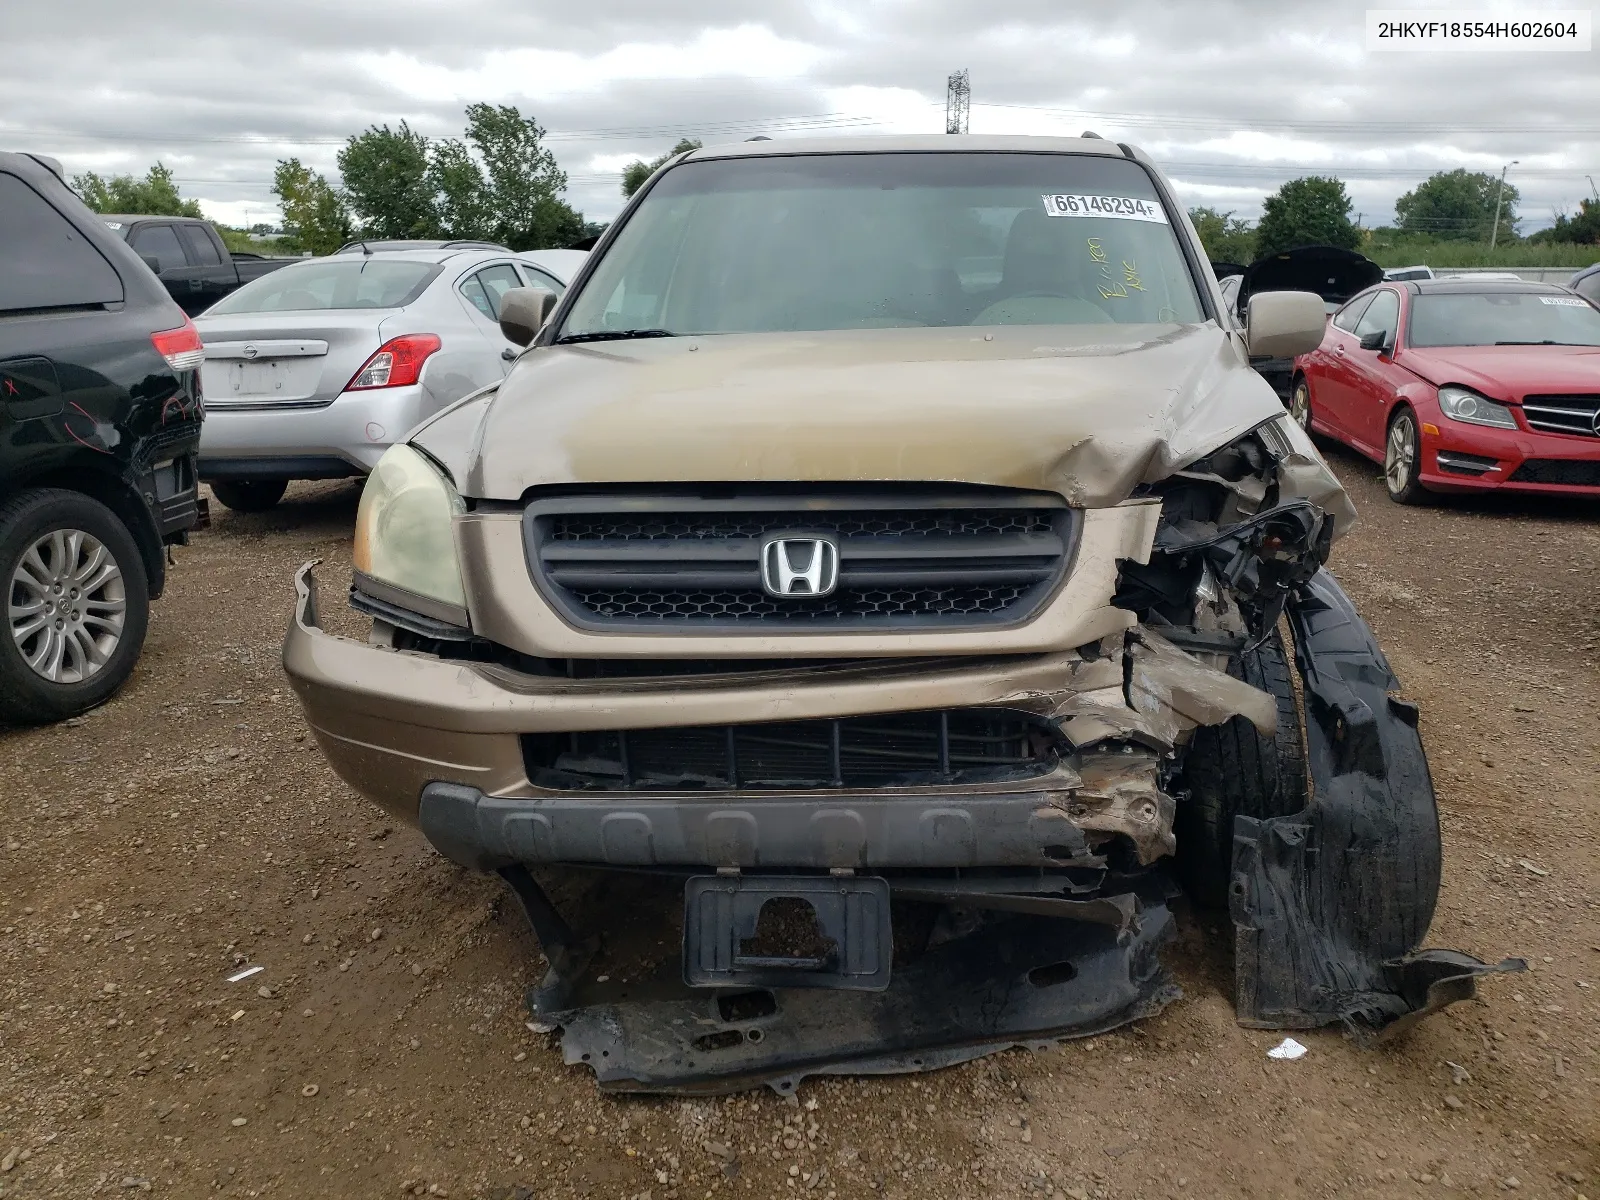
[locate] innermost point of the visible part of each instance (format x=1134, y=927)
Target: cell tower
x=957, y=102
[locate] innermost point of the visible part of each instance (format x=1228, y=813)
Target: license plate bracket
x=852, y=945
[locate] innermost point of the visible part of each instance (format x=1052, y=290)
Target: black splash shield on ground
x=1015, y=980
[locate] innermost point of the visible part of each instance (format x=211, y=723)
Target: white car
x=1403, y=273
x=313, y=371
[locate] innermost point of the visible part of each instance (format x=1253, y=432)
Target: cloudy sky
x=1232, y=96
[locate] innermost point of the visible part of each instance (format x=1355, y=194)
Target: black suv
x=99, y=428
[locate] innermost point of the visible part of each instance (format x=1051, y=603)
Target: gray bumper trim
x=1015, y=829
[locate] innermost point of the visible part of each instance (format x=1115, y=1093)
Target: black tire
x=26, y=695
x=1232, y=770
x=249, y=495
x=1402, y=478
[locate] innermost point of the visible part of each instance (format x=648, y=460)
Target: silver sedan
x=312, y=372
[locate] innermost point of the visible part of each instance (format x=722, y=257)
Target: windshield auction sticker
x=1127, y=208
x=1479, y=29
x=1564, y=301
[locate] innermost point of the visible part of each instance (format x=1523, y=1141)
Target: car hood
x=1089, y=412
x=1509, y=372
x=1332, y=273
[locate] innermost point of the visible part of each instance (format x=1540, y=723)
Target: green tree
x=154, y=195
x=1582, y=229
x=1456, y=206
x=524, y=185
x=1227, y=238
x=1312, y=211
x=314, y=214
x=459, y=192
x=636, y=172
x=386, y=182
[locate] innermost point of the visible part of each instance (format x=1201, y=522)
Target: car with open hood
x=887, y=522
x=1332, y=272
x=1461, y=385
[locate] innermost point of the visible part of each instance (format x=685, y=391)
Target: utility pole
x=957, y=102
x=1494, y=234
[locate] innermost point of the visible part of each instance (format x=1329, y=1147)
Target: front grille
x=1568, y=472
x=711, y=526
x=957, y=746
x=907, y=560
x=1562, y=414
x=846, y=603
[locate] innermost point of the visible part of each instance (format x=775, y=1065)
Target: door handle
x=508, y=354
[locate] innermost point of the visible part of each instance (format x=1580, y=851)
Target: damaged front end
x=1179, y=750
x=1331, y=854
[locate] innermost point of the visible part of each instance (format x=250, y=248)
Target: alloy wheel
x=66, y=606
x=1300, y=405
x=1400, y=456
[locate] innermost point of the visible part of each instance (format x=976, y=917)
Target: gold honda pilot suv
x=892, y=529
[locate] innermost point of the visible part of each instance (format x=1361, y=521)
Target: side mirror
x=1376, y=340
x=151, y=261
x=523, y=312
x=1284, y=324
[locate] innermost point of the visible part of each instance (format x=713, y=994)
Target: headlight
x=403, y=527
x=1461, y=405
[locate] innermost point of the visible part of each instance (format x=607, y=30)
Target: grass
x=239, y=242
x=1405, y=252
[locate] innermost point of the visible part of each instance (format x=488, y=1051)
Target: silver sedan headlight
x=404, y=534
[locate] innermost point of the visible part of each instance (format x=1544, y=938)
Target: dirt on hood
x=1089, y=412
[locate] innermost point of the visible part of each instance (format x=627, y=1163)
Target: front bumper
x=354, y=429
x=1512, y=460
x=438, y=743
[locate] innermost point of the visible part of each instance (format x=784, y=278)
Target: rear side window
x=202, y=251
x=160, y=242
x=48, y=263
x=1590, y=287
x=497, y=281
x=538, y=278
x=486, y=287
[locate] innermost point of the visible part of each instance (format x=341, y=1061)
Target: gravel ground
x=191, y=828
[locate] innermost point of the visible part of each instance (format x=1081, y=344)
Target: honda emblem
x=799, y=566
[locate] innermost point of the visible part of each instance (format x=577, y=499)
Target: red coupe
x=1456, y=386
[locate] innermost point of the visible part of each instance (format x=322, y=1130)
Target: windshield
x=1497, y=318
x=332, y=283
x=859, y=241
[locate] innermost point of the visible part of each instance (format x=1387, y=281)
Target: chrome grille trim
x=1574, y=415
x=909, y=559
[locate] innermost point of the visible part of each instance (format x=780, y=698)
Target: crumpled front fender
x=1330, y=904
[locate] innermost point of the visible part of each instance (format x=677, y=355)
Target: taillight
x=396, y=363
x=180, y=347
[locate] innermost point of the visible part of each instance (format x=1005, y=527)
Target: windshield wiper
x=1545, y=342
x=613, y=335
